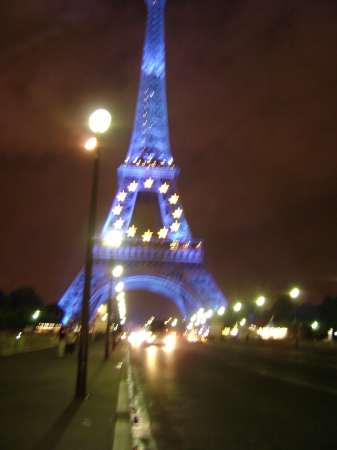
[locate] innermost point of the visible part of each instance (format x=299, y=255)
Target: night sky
x=252, y=106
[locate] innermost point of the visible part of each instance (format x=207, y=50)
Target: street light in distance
x=294, y=293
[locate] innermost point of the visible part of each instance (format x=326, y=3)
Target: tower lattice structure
x=168, y=261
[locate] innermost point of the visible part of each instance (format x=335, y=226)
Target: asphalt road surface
x=238, y=396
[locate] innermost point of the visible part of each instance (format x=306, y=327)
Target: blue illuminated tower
x=168, y=260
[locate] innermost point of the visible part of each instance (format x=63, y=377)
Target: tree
x=52, y=314
x=18, y=307
x=283, y=311
x=328, y=312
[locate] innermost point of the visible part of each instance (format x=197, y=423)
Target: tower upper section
x=150, y=142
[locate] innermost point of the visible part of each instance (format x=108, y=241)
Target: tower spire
x=150, y=135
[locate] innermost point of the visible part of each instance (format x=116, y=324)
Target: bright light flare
x=234, y=332
x=103, y=308
x=91, y=143
x=117, y=272
x=170, y=342
x=99, y=121
x=294, y=293
x=260, y=301
x=237, y=307
x=36, y=314
x=272, y=333
x=314, y=325
x=221, y=310
x=119, y=287
x=113, y=238
x=209, y=314
x=243, y=322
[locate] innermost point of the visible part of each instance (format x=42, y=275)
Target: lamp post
x=294, y=293
x=117, y=272
x=99, y=122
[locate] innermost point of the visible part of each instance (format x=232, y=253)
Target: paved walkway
x=38, y=409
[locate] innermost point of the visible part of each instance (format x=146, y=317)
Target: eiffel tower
x=167, y=261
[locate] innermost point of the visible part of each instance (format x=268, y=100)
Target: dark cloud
x=251, y=90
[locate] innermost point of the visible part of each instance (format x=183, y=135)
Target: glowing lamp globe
x=237, y=307
x=260, y=301
x=295, y=293
x=91, y=143
x=119, y=287
x=99, y=121
x=117, y=272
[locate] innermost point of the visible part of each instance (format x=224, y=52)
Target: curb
x=122, y=434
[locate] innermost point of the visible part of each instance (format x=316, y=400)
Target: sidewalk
x=37, y=391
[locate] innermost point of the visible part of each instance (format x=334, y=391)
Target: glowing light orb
x=260, y=301
x=99, y=121
x=237, y=307
x=119, y=287
x=91, y=143
x=113, y=238
x=294, y=293
x=117, y=271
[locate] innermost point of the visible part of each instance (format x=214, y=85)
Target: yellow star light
x=148, y=183
x=131, y=231
x=121, y=196
x=132, y=186
x=173, y=199
x=147, y=236
x=177, y=213
x=117, y=210
x=163, y=188
x=198, y=246
x=162, y=233
x=174, y=245
x=175, y=226
x=118, y=224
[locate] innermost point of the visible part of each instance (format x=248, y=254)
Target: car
x=159, y=333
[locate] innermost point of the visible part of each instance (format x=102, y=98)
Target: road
x=238, y=396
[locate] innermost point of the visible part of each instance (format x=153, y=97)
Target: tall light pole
x=294, y=293
x=99, y=122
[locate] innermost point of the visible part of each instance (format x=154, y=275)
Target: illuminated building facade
x=168, y=260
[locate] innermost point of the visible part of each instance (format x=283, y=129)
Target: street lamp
x=116, y=272
x=99, y=122
x=294, y=293
x=260, y=301
x=237, y=307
